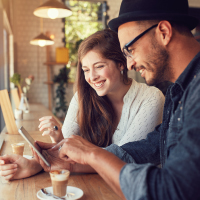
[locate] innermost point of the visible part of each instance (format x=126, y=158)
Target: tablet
x=31, y=141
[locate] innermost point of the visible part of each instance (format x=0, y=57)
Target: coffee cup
x=18, y=148
x=18, y=114
x=59, y=180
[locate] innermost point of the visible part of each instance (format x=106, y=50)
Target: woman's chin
x=101, y=94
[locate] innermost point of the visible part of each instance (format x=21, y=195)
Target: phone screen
x=31, y=141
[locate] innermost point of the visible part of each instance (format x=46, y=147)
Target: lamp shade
x=41, y=40
x=52, y=9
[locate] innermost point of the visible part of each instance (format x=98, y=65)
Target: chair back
x=7, y=112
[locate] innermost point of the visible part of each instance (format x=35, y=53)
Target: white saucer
x=28, y=157
x=78, y=193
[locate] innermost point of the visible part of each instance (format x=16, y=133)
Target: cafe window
x=87, y=18
x=6, y=57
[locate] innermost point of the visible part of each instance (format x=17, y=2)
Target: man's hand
x=52, y=156
x=75, y=149
x=106, y=164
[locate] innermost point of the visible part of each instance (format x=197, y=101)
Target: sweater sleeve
x=70, y=125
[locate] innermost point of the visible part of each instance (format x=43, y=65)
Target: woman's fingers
x=43, y=122
x=8, y=172
x=44, y=145
x=39, y=160
x=9, y=177
x=49, y=125
x=8, y=167
x=35, y=155
x=46, y=118
x=47, y=133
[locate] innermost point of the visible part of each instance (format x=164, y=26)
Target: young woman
x=107, y=108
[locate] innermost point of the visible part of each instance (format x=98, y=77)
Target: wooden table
x=93, y=186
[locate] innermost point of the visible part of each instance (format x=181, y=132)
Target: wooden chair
x=15, y=95
x=7, y=112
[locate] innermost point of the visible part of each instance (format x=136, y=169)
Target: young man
x=156, y=39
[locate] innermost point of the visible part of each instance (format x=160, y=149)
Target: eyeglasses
x=128, y=52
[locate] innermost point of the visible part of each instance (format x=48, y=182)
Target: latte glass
x=18, y=148
x=59, y=180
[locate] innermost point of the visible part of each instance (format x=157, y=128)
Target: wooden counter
x=93, y=186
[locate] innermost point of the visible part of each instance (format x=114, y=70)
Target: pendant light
x=42, y=40
x=52, y=9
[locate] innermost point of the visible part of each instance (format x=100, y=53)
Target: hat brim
x=190, y=21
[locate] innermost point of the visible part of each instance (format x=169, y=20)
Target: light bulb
x=53, y=13
x=52, y=36
x=41, y=43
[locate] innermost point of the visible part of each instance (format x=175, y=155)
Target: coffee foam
x=17, y=144
x=59, y=175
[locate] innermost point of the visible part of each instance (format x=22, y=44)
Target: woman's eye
x=100, y=66
x=85, y=70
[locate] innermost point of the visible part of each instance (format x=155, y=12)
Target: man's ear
x=165, y=32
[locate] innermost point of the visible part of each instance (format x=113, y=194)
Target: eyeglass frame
x=126, y=46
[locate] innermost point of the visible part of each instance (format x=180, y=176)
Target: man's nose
x=130, y=63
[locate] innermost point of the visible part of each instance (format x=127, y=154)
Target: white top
x=141, y=112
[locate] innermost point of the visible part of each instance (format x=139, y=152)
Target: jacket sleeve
x=143, y=151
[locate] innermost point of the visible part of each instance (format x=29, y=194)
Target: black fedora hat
x=136, y=10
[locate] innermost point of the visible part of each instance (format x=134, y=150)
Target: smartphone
x=31, y=141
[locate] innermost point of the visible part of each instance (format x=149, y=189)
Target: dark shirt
x=175, y=144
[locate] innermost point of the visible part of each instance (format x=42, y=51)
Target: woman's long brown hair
x=96, y=115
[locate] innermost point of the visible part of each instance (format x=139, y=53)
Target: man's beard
x=159, y=58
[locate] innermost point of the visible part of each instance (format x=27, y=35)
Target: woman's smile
x=99, y=84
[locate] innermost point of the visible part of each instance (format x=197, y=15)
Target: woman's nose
x=93, y=75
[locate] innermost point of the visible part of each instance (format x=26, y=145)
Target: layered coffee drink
x=59, y=179
x=18, y=148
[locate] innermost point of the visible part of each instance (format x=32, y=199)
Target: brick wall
x=29, y=59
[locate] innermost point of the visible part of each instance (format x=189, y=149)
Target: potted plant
x=61, y=103
x=17, y=81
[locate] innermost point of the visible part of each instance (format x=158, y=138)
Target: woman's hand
x=47, y=123
x=17, y=167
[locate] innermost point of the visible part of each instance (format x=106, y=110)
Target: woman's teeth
x=98, y=84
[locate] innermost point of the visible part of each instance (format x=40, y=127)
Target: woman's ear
x=165, y=32
x=121, y=67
